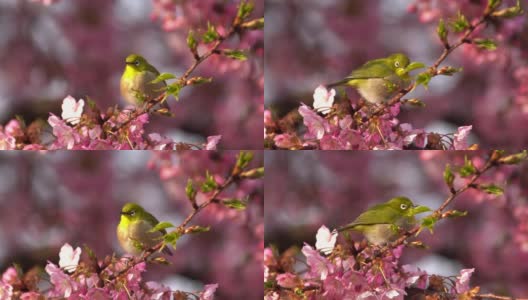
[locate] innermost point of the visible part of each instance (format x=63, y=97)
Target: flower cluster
x=341, y=131
x=75, y=131
x=484, y=203
x=363, y=275
x=78, y=281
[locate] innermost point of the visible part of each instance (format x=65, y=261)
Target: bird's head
x=401, y=64
x=136, y=62
x=402, y=204
x=132, y=212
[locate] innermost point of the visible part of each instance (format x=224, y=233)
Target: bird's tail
x=341, y=82
x=167, y=251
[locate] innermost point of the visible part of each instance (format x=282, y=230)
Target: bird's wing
x=152, y=69
x=377, y=66
x=378, y=214
x=153, y=221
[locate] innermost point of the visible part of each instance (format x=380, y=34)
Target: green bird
x=380, y=79
x=133, y=231
x=136, y=82
x=380, y=223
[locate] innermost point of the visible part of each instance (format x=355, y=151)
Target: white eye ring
x=403, y=206
x=397, y=64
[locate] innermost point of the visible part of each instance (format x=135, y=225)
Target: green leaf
x=209, y=184
x=423, y=79
x=509, y=12
x=514, y=158
x=253, y=173
x=211, y=34
x=449, y=71
x=487, y=44
x=199, y=80
x=441, y=30
x=243, y=159
x=449, y=177
x=244, y=9
x=197, y=229
x=190, y=191
x=460, y=23
x=415, y=102
x=171, y=238
x=161, y=226
x=234, y=54
x=174, y=89
x=468, y=169
x=256, y=24
x=162, y=77
x=455, y=213
x=419, y=209
x=429, y=223
x=192, y=43
x=414, y=65
x=491, y=189
x=235, y=203
x=492, y=4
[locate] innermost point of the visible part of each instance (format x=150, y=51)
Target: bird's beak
x=129, y=63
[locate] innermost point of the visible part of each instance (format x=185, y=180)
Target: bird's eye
x=136, y=63
x=397, y=64
x=132, y=213
x=403, y=206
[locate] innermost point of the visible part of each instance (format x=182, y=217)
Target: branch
x=180, y=229
x=433, y=70
x=492, y=161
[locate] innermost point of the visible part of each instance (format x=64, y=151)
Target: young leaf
x=491, y=189
x=253, y=173
x=423, y=79
x=235, y=203
x=161, y=226
x=171, y=238
x=256, y=24
x=460, y=23
x=429, y=223
x=197, y=229
x=492, y=4
x=419, y=209
x=243, y=159
x=509, y=12
x=162, y=77
x=468, y=169
x=454, y=214
x=441, y=30
x=211, y=34
x=191, y=41
x=209, y=184
x=190, y=191
x=244, y=9
x=449, y=71
x=449, y=177
x=174, y=89
x=234, y=54
x=199, y=80
x=487, y=44
x=514, y=158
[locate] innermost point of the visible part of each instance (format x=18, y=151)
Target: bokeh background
x=316, y=42
x=308, y=189
x=78, y=48
x=50, y=199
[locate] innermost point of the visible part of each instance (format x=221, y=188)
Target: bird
x=133, y=230
x=380, y=79
x=136, y=82
x=379, y=224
